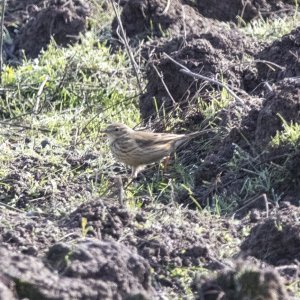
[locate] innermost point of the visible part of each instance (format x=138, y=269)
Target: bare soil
x=154, y=18
x=242, y=281
x=275, y=240
x=32, y=23
x=283, y=101
x=93, y=270
x=209, y=53
x=245, y=11
x=283, y=53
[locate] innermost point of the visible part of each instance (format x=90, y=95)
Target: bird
x=140, y=148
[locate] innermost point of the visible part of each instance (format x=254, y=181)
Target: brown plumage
x=140, y=148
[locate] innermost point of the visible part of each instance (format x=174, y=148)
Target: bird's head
x=116, y=130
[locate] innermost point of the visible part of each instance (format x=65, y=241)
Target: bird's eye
x=117, y=129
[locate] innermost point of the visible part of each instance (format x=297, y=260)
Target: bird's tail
x=197, y=133
x=189, y=136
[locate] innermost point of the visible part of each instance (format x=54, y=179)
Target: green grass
x=218, y=102
x=72, y=92
x=268, y=30
x=186, y=275
x=87, y=75
x=290, y=135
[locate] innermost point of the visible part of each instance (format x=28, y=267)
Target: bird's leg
x=167, y=159
x=165, y=163
x=134, y=172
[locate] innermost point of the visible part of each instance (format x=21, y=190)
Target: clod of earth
x=275, y=240
x=246, y=11
x=284, y=53
x=242, y=282
x=90, y=269
x=63, y=21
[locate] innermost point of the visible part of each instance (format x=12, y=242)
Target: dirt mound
x=93, y=270
x=284, y=53
x=242, y=118
x=108, y=219
x=282, y=102
x=276, y=240
x=156, y=18
x=29, y=233
x=112, y=221
x=253, y=125
x=60, y=19
x=243, y=282
x=215, y=54
x=165, y=243
x=229, y=10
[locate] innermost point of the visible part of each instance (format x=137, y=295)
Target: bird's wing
x=148, y=139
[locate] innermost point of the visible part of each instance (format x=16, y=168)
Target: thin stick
x=161, y=76
x=251, y=201
x=186, y=71
x=269, y=63
x=1, y=39
x=11, y=208
x=127, y=47
x=25, y=127
x=68, y=235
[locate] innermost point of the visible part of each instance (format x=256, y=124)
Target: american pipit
x=139, y=148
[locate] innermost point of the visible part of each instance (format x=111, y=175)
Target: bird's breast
x=122, y=150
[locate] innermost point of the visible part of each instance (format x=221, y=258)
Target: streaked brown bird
x=140, y=148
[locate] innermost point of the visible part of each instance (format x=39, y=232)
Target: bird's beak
x=103, y=131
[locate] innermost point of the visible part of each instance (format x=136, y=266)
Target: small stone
x=254, y=215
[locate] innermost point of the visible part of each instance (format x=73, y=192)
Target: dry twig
x=161, y=77
x=127, y=47
x=251, y=201
x=187, y=71
x=26, y=127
